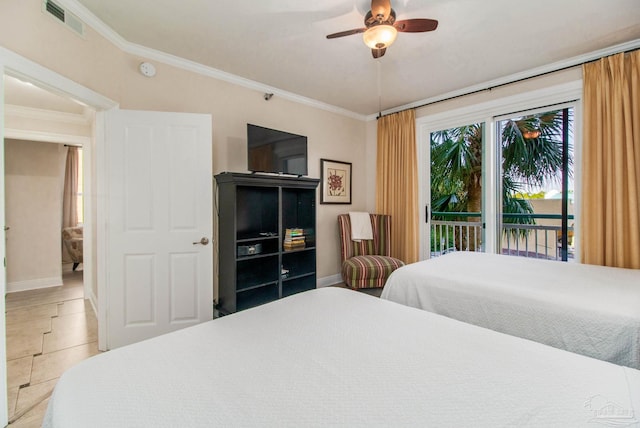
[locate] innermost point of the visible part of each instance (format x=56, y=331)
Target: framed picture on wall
x=335, y=182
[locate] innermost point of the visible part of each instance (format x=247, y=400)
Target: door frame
x=487, y=112
x=18, y=66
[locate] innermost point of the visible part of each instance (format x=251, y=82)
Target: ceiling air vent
x=68, y=19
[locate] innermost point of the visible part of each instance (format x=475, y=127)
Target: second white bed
x=590, y=310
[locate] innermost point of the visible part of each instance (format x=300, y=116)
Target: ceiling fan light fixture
x=380, y=36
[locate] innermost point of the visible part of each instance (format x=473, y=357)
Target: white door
x=159, y=258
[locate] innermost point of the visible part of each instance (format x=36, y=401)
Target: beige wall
x=34, y=176
x=97, y=64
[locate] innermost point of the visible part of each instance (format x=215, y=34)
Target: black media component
x=266, y=238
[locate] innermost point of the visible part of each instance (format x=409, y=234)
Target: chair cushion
x=72, y=232
x=368, y=271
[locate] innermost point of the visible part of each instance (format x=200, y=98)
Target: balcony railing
x=525, y=240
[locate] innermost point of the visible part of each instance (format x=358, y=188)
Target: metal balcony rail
x=524, y=240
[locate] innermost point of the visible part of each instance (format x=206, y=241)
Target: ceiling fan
x=381, y=27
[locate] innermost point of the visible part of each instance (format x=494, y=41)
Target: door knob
x=203, y=241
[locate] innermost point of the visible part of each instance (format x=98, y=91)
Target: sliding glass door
x=537, y=184
x=502, y=185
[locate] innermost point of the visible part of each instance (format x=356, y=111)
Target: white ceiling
x=282, y=44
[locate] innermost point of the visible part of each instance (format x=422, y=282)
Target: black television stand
x=276, y=214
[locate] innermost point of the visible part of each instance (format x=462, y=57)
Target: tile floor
x=48, y=331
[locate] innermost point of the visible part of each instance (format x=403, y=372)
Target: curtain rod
x=380, y=115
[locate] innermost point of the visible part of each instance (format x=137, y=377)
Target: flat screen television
x=269, y=150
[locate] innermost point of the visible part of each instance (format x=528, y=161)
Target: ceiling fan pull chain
x=379, y=90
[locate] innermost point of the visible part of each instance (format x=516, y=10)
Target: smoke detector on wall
x=147, y=69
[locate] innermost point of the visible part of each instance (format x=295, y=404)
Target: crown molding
x=45, y=137
x=134, y=49
x=31, y=113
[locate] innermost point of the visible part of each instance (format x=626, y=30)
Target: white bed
x=336, y=357
x=590, y=310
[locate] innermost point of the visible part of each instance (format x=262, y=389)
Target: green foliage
x=456, y=160
x=533, y=160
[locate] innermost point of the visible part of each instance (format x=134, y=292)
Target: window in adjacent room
x=80, y=194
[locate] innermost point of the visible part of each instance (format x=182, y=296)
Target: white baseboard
x=34, y=284
x=329, y=280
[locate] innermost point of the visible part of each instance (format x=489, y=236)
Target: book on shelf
x=293, y=246
x=294, y=239
x=294, y=232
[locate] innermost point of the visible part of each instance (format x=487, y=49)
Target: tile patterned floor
x=48, y=331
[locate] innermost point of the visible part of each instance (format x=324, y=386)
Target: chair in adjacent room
x=73, y=239
x=367, y=263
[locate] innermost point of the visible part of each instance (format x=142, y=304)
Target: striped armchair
x=367, y=263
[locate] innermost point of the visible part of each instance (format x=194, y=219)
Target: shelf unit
x=254, y=213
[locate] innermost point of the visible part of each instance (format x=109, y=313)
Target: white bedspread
x=336, y=357
x=591, y=310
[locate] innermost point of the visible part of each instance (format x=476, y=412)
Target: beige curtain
x=610, y=230
x=70, y=194
x=397, y=182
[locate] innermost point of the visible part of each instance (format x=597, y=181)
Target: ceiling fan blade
x=346, y=33
x=381, y=8
x=419, y=25
x=377, y=53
